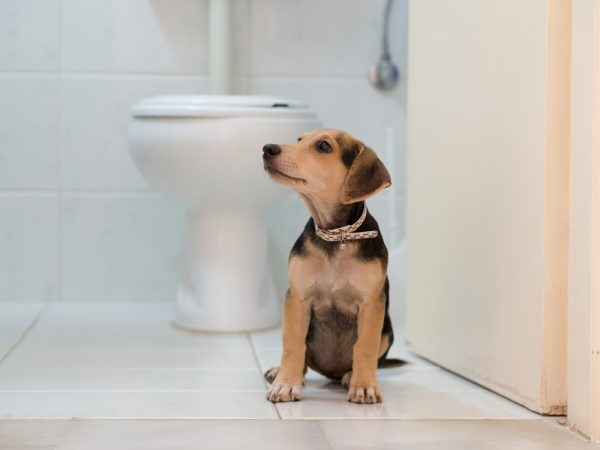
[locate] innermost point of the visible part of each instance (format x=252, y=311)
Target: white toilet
x=206, y=152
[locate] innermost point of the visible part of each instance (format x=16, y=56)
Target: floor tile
x=178, y=359
x=418, y=402
x=408, y=394
x=398, y=379
x=213, y=434
x=15, y=318
x=269, y=339
x=31, y=433
x=450, y=435
x=133, y=380
x=147, y=332
x=87, y=404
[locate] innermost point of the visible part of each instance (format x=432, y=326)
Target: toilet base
x=226, y=283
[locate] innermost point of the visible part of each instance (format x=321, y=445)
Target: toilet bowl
x=205, y=152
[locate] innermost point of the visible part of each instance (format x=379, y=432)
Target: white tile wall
x=94, y=127
x=141, y=36
x=121, y=247
x=77, y=221
x=29, y=247
x=29, y=34
x=313, y=37
x=29, y=132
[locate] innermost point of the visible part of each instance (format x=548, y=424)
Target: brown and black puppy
x=336, y=309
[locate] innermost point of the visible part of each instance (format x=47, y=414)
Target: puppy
x=336, y=317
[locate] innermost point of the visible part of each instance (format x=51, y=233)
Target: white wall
x=487, y=184
x=77, y=221
x=584, y=227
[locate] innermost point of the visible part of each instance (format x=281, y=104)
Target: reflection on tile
x=193, y=434
x=159, y=404
x=450, y=435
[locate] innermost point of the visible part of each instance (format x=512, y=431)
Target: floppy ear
x=367, y=176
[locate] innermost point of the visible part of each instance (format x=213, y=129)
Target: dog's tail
x=390, y=362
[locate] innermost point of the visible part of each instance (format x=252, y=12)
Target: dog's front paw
x=271, y=374
x=368, y=392
x=284, y=391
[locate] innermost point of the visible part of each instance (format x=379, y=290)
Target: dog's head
x=327, y=161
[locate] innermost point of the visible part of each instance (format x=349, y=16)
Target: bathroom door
x=487, y=193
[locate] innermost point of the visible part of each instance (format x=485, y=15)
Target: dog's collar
x=347, y=232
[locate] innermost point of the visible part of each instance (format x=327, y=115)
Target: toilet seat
x=221, y=106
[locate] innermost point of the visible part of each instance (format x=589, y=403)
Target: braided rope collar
x=347, y=232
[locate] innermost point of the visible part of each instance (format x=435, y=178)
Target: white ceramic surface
x=206, y=153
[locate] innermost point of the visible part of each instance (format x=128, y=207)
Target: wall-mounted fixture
x=384, y=74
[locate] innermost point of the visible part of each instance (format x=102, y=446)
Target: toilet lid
x=221, y=106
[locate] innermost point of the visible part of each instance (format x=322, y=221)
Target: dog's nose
x=271, y=150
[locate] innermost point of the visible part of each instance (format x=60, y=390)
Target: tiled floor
x=119, y=376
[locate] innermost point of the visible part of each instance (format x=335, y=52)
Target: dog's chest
x=333, y=283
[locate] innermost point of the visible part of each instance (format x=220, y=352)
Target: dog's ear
x=367, y=176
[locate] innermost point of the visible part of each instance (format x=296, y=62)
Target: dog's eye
x=323, y=147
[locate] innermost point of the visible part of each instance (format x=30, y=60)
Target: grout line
x=260, y=370
x=78, y=192
x=59, y=156
x=324, y=434
x=25, y=333
x=255, y=354
x=6, y=73
x=122, y=390
x=295, y=419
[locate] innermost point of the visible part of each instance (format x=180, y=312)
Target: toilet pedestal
x=226, y=283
